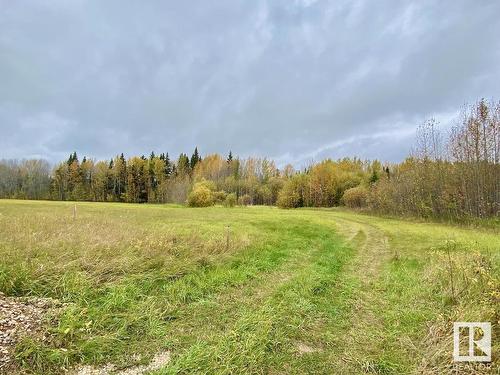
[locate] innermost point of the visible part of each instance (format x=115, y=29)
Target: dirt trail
x=373, y=253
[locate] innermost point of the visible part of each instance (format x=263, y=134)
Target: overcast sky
x=291, y=80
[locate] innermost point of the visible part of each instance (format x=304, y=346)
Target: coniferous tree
x=183, y=165
x=168, y=166
x=195, y=158
x=72, y=157
x=121, y=178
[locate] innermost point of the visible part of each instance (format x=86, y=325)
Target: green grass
x=245, y=290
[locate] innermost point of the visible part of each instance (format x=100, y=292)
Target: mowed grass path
x=245, y=290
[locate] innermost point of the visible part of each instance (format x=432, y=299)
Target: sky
x=296, y=81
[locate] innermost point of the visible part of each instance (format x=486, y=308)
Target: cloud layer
x=292, y=80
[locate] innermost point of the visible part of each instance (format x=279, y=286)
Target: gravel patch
x=20, y=316
x=159, y=360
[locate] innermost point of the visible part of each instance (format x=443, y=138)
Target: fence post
x=227, y=238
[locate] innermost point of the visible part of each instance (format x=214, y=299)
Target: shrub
x=219, y=196
x=289, y=196
x=200, y=196
x=207, y=183
x=356, y=197
x=230, y=200
x=245, y=200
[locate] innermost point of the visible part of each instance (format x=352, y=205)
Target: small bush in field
x=288, y=198
x=219, y=196
x=245, y=200
x=356, y=197
x=200, y=196
x=230, y=200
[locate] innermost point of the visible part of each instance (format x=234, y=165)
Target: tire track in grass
x=205, y=284
x=209, y=312
x=219, y=304
x=362, y=348
x=259, y=287
x=264, y=322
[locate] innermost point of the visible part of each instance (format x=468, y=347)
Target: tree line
x=452, y=176
x=154, y=179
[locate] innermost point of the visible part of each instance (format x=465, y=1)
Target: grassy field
x=245, y=290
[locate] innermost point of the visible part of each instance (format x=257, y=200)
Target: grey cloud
x=289, y=80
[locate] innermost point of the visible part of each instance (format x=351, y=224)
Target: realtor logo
x=472, y=342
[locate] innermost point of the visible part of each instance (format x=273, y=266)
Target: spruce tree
x=195, y=158
x=122, y=177
x=168, y=166
x=72, y=157
x=183, y=164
